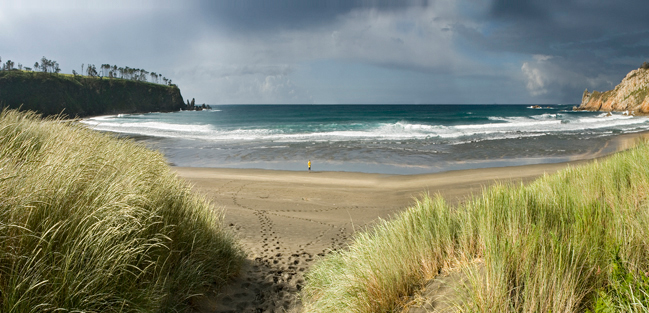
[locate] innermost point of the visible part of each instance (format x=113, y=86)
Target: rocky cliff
x=81, y=96
x=630, y=95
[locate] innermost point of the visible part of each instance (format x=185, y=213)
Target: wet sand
x=288, y=220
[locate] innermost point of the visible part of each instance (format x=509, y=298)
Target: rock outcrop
x=632, y=95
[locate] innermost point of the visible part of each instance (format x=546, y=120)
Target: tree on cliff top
x=645, y=66
x=8, y=66
x=48, y=66
x=92, y=70
x=105, y=70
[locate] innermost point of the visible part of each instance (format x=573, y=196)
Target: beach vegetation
x=573, y=241
x=91, y=223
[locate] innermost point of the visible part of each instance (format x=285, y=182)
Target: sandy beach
x=287, y=220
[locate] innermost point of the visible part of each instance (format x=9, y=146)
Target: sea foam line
x=501, y=128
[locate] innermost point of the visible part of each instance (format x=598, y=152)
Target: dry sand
x=288, y=220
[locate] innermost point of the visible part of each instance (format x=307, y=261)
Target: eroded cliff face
x=630, y=95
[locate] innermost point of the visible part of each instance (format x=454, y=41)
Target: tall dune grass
x=89, y=223
x=574, y=241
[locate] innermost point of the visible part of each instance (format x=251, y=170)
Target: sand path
x=288, y=220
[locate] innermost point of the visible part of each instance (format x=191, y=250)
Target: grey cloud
x=542, y=26
x=592, y=42
x=123, y=33
x=224, y=71
x=518, y=9
x=246, y=51
x=267, y=16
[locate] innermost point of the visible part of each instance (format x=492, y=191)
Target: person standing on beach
x=309, y=166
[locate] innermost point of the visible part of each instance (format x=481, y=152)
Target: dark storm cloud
x=517, y=9
x=264, y=15
x=595, y=43
x=546, y=10
x=561, y=27
x=247, y=51
x=580, y=43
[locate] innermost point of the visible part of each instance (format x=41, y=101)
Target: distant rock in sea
x=631, y=95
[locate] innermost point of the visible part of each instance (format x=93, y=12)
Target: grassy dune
x=574, y=241
x=95, y=224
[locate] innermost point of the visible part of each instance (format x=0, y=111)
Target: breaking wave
x=493, y=128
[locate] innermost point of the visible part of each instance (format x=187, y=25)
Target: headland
x=82, y=96
x=631, y=95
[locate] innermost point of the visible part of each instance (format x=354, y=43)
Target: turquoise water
x=391, y=139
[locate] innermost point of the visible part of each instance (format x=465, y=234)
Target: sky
x=344, y=51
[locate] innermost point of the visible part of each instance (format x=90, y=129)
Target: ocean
x=388, y=139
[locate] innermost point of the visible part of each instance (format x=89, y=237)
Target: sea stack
x=630, y=95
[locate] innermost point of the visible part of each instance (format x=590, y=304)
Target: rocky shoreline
x=630, y=96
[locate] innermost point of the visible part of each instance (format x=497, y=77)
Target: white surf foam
x=495, y=128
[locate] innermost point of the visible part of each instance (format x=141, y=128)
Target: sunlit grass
x=90, y=223
x=574, y=241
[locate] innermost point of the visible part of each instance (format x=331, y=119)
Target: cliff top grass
x=53, y=94
x=91, y=223
x=77, y=78
x=574, y=241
